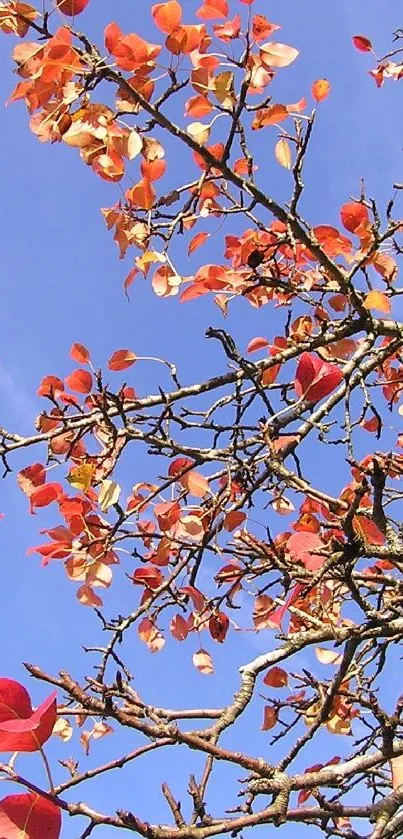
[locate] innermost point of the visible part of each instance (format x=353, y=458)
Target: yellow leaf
x=63, y=729
x=199, y=132
x=81, y=476
x=134, y=144
x=109, y=494
x=224, y=89
x=377, y=300
x=282, y=153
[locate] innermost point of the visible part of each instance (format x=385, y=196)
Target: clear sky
x=62, y=282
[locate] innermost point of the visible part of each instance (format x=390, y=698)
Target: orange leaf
x=198, y=106
x=213, y=9
x=377, y=300
x=121, y=359
x=142, y=194
x=197, y=241
x=79, y=381
x=352, y=215
x=320, y=89
x=80, y=353
x=167, y=16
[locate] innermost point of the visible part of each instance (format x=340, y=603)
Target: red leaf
x=233, y=519
x=21, y=728
x=79, y=381
x=180, y=464
x=44, y=495
x=31, y=477
x=80, y=353
x=302, y=546
x=167, y=514
x=50, y=386
x=195, y=595
x=218, y=626
x=179, y=628
x=315, y=378
x=257, y=344
x=29, y=816
x=362, y=43
x=149, y=576
x=121, y=359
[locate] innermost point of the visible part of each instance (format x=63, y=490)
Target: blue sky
x=62, y=282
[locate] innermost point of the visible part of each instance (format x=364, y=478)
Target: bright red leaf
x=362, y=43
x=21, y=728
x=315, y=378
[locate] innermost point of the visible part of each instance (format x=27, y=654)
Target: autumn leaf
x=276, y=677
x=195, y=483
x=362, y=43
x=353, y=215
x=29, y=816
x=320, y=89
x=80, y=381
x=377, y=300
x=197, y=241
x=203, y=662
x=282, y=153
x=167, y=16
x=21, y=728
x=81, y=476
x=121, y=360
x=315, y=378
x=179, y=628
x=270, y=716
x=303, y=546
x=274, y=54
x=325, y=656
x=79, y=352
x=109, y=494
